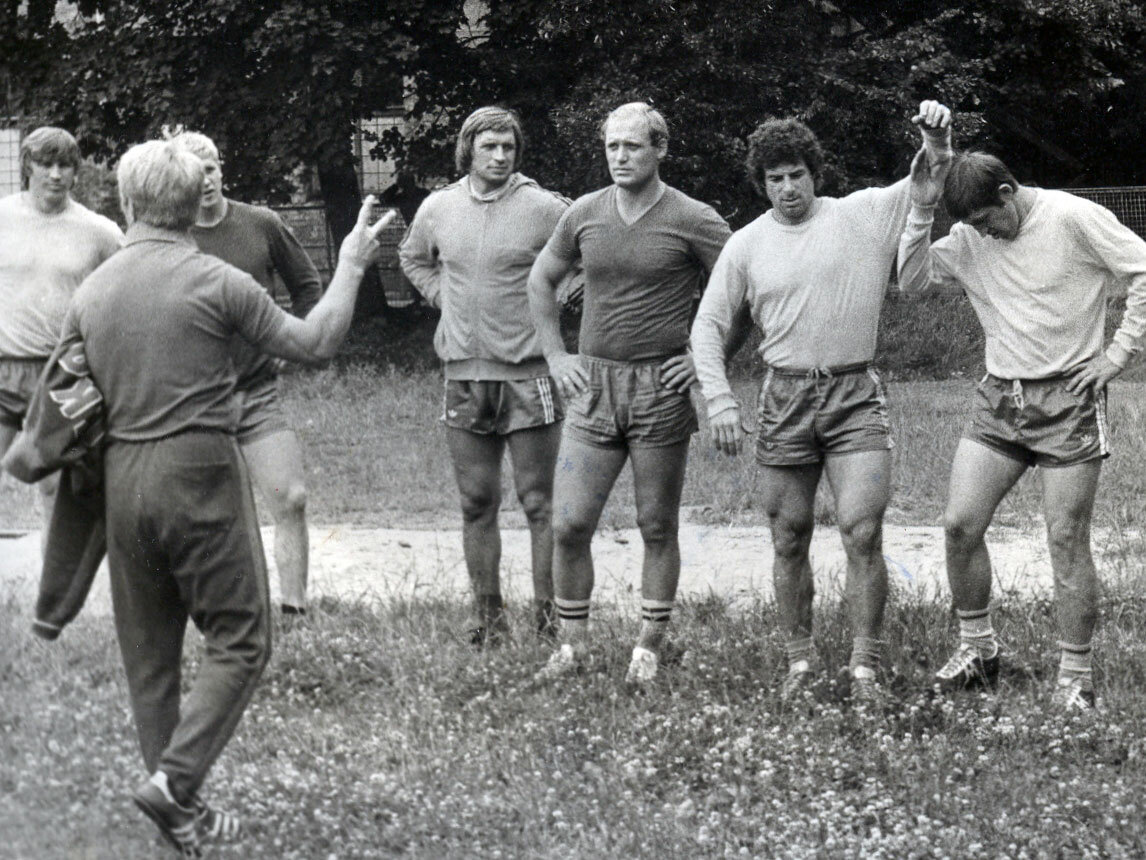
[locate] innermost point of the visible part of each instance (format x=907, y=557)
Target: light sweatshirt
x=471, y=257
x=1041, y=297
x=815, y=289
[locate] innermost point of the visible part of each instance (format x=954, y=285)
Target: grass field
x=377, y=733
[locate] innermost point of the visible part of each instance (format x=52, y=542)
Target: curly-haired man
x=813, y=271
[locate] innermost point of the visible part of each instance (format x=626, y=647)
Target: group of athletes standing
x=160, y=321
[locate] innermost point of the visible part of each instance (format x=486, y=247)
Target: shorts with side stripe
x=1038, y=422
x=498, y=407
x=805, y=415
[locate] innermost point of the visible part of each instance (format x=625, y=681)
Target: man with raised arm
x=255, y=239
x=1037, y=266
x=48, y=244
x=645, y=247
x=157, y=322
x=469, y=251
x=814, y=271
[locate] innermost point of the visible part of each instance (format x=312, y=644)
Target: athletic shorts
x=806, y=415
x=18, y=379
x=1038, y=422
x=498, y=407
x=260, y=413
x=626, y=405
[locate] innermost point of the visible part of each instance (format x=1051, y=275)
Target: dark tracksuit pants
x=183, y=542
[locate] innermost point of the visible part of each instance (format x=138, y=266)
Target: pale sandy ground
x=734, y=563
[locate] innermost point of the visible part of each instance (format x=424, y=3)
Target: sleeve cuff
x=721, y=403
x=1118, y=354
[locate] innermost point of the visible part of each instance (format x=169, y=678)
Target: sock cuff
x=572, y=610
x=973, y=614
x=800, y=649
x=1071, y=648
x=866, y=651
x=656, y=611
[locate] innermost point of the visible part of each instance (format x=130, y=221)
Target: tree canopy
x=1054, y=86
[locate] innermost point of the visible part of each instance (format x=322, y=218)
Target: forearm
x=427, y=280
x=326, y=325
x=709, y=337
x=546, y=314
x=914, y=264
x=1128, y=338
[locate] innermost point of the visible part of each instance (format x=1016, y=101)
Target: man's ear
x=1006, y=193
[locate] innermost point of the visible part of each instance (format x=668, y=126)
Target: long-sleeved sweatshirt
x=1040, y=297
x=470, y=256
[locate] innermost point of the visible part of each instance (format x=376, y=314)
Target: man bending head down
x=1036, y=265
x=157, y=321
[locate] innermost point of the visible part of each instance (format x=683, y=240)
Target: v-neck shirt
x=640, y=278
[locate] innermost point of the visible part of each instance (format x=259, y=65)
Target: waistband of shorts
x=1053, y=378
x=644, y=362
x=24, y=359
x=815, y=372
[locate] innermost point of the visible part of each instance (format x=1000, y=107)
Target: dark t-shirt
x=157, y=322
x=640, y=278
x=255, y=239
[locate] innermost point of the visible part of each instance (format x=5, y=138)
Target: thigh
x=476, y=459
x=1068, y=492
x=788, y=494
x=583, y=479
x=275, y=463
x=861, y=483
x=658, y=481
x=980, y=478
x=534, y=455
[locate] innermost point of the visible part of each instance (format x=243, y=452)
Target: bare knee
x=864, y=536
x=480, y=505
x=960, y=532
x=791, y=536
x=572, y=533
x=657, y=530
x=1067, y=536
x=293, y=501
x=537, y=505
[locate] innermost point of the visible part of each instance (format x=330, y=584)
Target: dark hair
x=487, y=119
x=47, y=145
x=782, y=141
x=973, y=183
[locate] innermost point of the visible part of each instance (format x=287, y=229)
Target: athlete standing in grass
x=814, y=271
x=255, y=239
x=157, y=322
x=645, y=248
x=48, y=244
x=469, y=251
x=1036, y=265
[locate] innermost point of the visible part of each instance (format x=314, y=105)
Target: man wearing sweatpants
x=157, y=322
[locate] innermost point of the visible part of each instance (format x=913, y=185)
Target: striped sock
x=655, y=615
x=801, y=654
x=1075, y=664
x=975, y=630
x=866, y=653
x=574, y=618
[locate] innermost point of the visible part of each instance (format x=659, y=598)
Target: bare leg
x=583, y=479
x=789, y=497
x=861, y=483
x=658, y=480
x=534, y=455
x=1068, y=499
x=477, y=468
x=980, y=478
x=276, y=467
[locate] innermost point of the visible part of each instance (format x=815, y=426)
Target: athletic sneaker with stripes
x=1073, y=695
x=178, y=824
x=214, y=824
x=968, y=668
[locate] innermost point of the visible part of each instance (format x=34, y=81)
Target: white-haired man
x=469, y=251
x=255, y=239
x=645, y=248
x=48, y=244
x=157, y=321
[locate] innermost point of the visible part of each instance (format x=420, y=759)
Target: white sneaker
x=643, y=666
x=561, y=662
